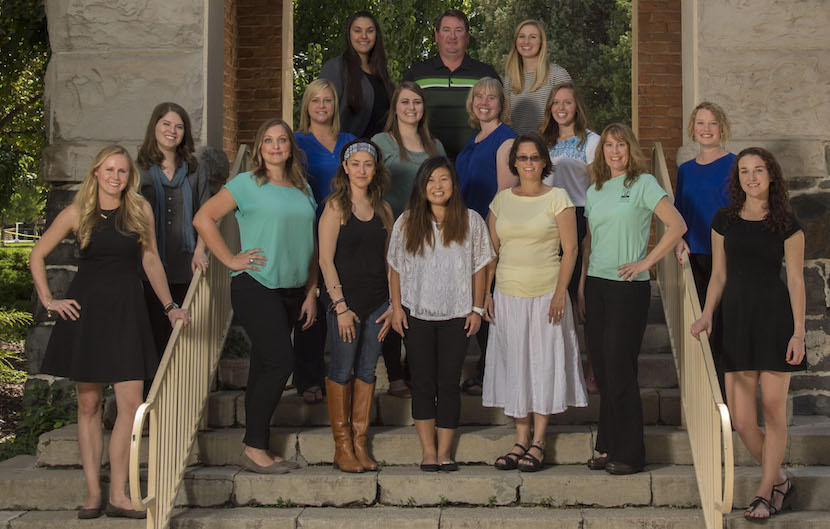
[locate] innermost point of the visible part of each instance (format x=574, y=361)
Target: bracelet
x=344, y=312
x=799, y=338
x=334, y=304
x=488, y=294
x=328, y=290
x=170, y=306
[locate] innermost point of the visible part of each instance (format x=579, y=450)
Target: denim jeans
x=362, y=354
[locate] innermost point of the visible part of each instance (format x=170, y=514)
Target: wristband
x=172, y=305
x=479, y=310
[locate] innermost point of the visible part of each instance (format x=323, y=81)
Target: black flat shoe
x=450, y=466
x=90, y=514
x=618, y=468
x=117, y=512
x=597, y=463
x=430, y=467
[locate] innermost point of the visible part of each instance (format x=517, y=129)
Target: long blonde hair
x=294, y=171
x=637, y=163
x=315, y=87
x=130, y=218
x=514, y=68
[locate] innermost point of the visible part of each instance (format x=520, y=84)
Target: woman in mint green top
x=614, y=290
x=274, y=277
x=405, y=144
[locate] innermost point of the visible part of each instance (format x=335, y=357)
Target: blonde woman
x=103, y=335
x=529, y=76
x=274, y=276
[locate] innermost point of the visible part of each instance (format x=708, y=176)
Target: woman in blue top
x=703, y=189
x=274, y=277
x=614, y=289
x=483, y=170
x=322, y=142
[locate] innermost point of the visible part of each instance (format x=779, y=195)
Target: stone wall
x=768, y=64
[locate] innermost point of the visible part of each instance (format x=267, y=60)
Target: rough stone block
x=233, y=373
x=308, y=486
x=224, y=446
x=206, y=486
x=8, y=516
x=667, y=445
x=92, y=25
x=470, y=485
x=674, y=486
x=808, y=443
x=35, y=347
x=23, y=487
x=394, y=411
x=82, y=87
x=813, y=210
x=656, y=339
x=69, y=161
x=577, y=485
x=69, y=520
x=513, y=517
x=655, y=518
x=784, y=520
x=657, y=371
x=375, y=518
x=670, y=406
x=239, y=518
x=221, y=410
x=65, y=253
x=292, y=411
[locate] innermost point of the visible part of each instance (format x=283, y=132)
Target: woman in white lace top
x=438, y=255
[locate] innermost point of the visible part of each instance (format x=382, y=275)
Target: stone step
x=227, y=408
x=384, y=517
x=233, y=372
x=25, y=487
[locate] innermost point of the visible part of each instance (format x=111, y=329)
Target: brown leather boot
x=339, y=397
x=362, y=399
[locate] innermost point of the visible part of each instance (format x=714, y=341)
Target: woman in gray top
x=361, y=77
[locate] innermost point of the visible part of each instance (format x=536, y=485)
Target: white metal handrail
x=181, y=387
x=706, y=415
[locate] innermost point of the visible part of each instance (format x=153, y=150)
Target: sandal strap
x=779, y=491
x=532, y=459
x=512, y=455
x=754, y=506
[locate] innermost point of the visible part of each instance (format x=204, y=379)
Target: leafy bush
x=46, y=407
x=15, y=279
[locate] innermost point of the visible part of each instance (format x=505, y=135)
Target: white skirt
x=532, y=365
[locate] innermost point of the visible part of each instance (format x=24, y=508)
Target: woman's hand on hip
x=796, y=350
x=248, y=260
x=472, y=324
x=345, y=325
x=629, y=271
x=67, y=308
x=557, y=306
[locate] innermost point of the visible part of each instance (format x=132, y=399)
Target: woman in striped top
x=529, y=76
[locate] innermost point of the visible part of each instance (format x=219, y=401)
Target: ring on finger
x=250, y=261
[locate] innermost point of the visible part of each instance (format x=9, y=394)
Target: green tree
x=589, y=38
x=24, y=53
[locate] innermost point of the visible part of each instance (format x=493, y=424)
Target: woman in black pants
x=614, y=289
x=274, y=276
x=438, y=254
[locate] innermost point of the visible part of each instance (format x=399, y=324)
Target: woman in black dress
x=763, y=318
x=103, y=336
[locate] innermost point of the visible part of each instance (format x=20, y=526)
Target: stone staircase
x=43, y=491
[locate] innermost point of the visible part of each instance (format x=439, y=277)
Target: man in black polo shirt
x=447, y=78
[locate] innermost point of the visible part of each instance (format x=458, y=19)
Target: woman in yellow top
x=532, y=367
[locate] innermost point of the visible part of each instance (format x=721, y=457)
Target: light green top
x=529, y=241
x=620, y=222
x=403, y=172
x=280, y=221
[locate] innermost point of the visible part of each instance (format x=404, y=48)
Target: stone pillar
x=112, y=62
x=767, y=64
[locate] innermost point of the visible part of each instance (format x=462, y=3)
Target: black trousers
x=616, y=317
x=396, y=369
x=309, y=344
x=267, y=315
x=436, y=351
x=581, y=231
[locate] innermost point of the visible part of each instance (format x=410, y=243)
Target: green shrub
x=46, y=407
x=15, y=279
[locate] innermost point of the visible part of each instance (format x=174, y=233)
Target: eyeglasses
x=524, y=159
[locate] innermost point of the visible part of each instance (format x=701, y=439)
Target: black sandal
x=535, y=464
x=786, y=495
x=510, y=460
x=754, y=506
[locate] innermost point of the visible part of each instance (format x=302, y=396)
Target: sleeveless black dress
x=757, y=315
x=111, y=341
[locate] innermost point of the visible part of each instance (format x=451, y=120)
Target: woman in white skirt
x=532, y=368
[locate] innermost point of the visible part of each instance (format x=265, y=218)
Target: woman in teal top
x=405, y=144
x=274, y=277
x=614, y=289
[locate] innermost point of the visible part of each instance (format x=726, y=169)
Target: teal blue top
x=403, y=172
x=280, y=221
x=620, y=222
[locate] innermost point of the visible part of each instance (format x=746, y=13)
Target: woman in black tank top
x=354, y=234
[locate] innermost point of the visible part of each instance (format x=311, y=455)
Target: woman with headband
x=353, y=236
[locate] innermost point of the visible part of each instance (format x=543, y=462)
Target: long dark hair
x=341, y=189
x=423, y=125
x=149, y=153
x=417, y=227
x=550, y=128
x=779, y=212
x=351, y=73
